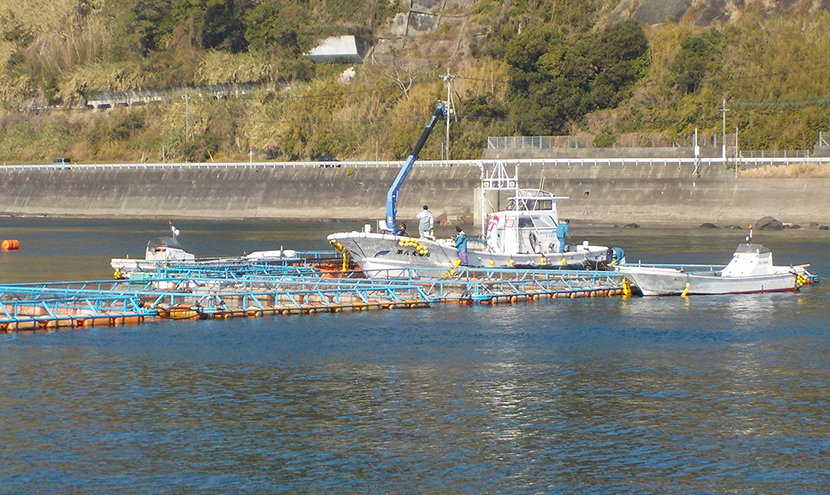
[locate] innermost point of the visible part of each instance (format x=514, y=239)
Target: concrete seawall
x=647, y=191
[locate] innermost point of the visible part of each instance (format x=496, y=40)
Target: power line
x=782, y=104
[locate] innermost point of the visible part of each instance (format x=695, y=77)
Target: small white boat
x=159, y=250
x=750, y=270
x=166, y=251
x=272, y=254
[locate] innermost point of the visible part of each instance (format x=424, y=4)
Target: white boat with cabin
x=158, y=251
x=751, y=270
x=522, y=235
x=166, y=251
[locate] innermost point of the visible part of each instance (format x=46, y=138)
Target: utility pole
x=736, y=153
x=723, y=132
x=697, y=156
x=450, y=106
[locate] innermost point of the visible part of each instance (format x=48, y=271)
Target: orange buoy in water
x=11, y=245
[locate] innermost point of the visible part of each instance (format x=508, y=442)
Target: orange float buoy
x=11, y=245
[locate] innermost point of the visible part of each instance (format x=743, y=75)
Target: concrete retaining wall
x=283, y=192
x=658, y=192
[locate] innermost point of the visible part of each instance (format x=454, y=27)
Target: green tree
x=485, y=108
x=129, y=125
x=556, y=79
x=273, y=26
x=140, y=24
x=617, y=59
x=699, y=55
x=222, y=28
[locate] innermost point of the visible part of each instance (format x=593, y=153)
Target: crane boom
x=392, y=195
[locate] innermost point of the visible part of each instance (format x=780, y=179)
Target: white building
x=342, y=49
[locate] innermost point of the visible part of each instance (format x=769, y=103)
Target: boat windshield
x=529, y=204
x=530, y=200
x=544, y=222
x=752, y=248
x=525, y=222
x=164, y=242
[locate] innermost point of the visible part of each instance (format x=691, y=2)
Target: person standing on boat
x=461, y=245
x=425, y=222
x=563, y=233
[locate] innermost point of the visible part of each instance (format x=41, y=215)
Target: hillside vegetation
x=546, y=67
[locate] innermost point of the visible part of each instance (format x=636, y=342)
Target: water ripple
x=590, y=396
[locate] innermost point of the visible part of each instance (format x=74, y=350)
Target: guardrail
x=571, y=162
x=234, y=165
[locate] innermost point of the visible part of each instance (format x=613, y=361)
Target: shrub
x=605, y=140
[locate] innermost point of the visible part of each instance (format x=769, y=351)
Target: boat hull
x=381, y=255
x=129, y=267
x=672, y=282
x=125, y=267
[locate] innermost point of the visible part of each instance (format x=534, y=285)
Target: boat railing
x=686, y=267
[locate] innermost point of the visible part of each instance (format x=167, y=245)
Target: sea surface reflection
x=604, y=396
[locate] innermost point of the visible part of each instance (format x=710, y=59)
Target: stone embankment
x=605, y=191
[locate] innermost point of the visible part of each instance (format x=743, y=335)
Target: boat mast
x=497, y=180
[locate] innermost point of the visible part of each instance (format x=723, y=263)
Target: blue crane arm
x=392, y=195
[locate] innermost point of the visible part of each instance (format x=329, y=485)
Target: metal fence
x=745, y=154
x=538, y=142
x=549, y=142
x=481, y=164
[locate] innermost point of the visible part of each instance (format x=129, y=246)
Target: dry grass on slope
x=793, y=171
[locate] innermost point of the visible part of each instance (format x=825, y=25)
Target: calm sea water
x=599, y=396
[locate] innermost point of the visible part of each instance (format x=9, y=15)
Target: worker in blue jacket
x=461, y=245
x=562, y=233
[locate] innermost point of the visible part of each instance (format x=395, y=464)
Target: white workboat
x=522, y=235
x=166, y=251
x=158, y=251
x=751, y=270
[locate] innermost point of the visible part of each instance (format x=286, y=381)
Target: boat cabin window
x=545, y=222
x=160, y=243
x=525, y=222
x=530, y=204
x=508, y=222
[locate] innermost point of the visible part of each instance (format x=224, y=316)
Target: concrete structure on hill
x=341, y=49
